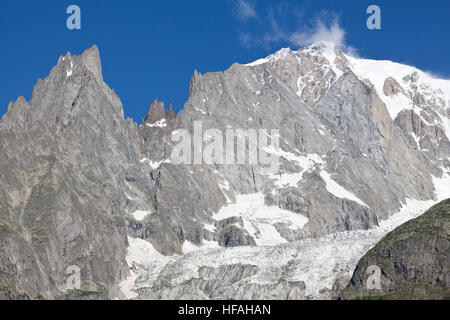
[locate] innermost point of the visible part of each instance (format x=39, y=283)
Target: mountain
x=65, y=156
x=413, y=260
x=363, y=147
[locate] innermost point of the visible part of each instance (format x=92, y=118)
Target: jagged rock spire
x=157, y=112
x=195, y=84
x=91, y=59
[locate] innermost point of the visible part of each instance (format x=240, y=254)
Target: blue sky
x=149, y=49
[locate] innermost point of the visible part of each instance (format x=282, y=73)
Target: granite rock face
x=65, y=157
x=81, y=185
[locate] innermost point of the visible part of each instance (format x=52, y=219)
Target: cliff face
x=414, y=260
x=65, y=156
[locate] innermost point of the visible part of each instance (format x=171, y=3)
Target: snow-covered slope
x=412, y=81
x=417, y=89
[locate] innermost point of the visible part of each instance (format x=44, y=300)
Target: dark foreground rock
x=414, y=260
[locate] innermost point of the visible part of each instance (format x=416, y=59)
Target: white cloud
x=245, y=10
x=437, y=75
x=321, y=32
x=324, y=27
x=245, y=39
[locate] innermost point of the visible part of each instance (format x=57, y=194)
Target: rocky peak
x=91, y=60
x=309, y=71
x=195, y=84
x=158, y=112
x=58, y=93
x=18, y=114
x=88, y=60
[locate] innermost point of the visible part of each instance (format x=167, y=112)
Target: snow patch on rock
x=337, y=190
x=158, y=124
x=259, y=219
x=154, y=164
x=139, y=215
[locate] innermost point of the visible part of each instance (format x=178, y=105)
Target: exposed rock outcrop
x=414, y=261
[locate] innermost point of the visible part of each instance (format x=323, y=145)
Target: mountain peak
x=323, y=45
x=195, y=83
x=157, y=112
x=327, y=49
x=91, y=59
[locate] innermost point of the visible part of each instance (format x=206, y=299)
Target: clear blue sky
x=149, y=49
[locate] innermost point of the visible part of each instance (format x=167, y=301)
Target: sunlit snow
x=334, y=188
x=259, y=219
